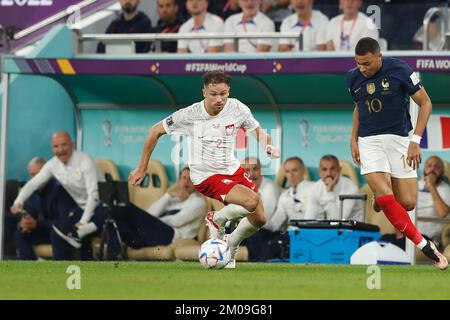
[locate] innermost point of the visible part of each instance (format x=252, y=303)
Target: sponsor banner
x=193, y=66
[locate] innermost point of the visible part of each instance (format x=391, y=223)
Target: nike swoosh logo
x=403, y=229
x=357, y=90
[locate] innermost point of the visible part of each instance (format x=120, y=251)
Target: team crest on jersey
x=385, y=84
x=370, y=87
x=229, y=130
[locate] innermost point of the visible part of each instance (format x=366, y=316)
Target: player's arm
x=354, y=138
x=138, y=174
x=266, y=142
x=423, y=101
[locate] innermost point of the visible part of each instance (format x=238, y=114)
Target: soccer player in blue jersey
x=382, y=141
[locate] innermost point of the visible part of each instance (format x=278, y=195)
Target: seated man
x=291, y=205
x=76, y=208
x=311, y=24
x=130, y=21
x=178, y=214
x=324, y=203
x=200, y=22
x=345, y=30
x=35, y=222
x=433, y=198
x=168, y=22
x=248, y=21
x=433, y=201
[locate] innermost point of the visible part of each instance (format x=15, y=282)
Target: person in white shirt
x=178, y=214
x=200, y=22
x=433, y=198
x=271, y=241
x=248, y=21
x=292, y=202
x=78, y=175
x=211, y=127
x=323, y=201
x=345, y=30
x=312, y=24
x=267, y=189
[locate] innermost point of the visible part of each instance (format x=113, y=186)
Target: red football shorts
x=217, y=186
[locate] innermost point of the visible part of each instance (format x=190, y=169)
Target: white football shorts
x=385, y=153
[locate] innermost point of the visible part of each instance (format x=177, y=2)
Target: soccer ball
x=214, y=254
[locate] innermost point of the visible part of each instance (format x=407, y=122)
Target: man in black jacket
x=169, y=22
x=130, y=21
x=35, y=223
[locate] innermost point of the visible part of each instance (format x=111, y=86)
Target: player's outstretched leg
x=216, y=220
x=399, y=218
x=255, y=219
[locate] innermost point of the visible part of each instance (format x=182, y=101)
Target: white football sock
x=86, y=229
x=422, y=243
x=230, y=212
x=244, y=230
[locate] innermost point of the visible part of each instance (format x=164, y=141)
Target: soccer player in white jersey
x=200, y=22
x=211, y=126
x=312, y=24
x=249, y=20
x=345, y=30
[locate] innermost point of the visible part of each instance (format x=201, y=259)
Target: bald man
x=77, y=207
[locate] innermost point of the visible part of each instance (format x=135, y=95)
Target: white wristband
x=415, y=138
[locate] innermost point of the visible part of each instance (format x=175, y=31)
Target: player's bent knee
x=409, y=206
x=252, y=202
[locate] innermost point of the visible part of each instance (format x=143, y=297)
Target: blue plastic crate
x=332, y=246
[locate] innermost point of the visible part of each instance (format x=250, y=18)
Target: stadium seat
x=447, y=252
x=108, y=169
x=280, y=178
x=43, y=251
x=349, y=171
x=376, y=218
x=447, y=169
x=445, y=235
x=157, y=183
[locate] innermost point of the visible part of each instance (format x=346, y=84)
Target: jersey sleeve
x=177, y=123
x=409, y=79
x=349, y=80
x=249, y=123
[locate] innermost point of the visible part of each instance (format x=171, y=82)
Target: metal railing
x=46, y=22
x=442, y=13
x=159, y=38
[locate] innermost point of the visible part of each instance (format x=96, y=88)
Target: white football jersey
x=211, y=139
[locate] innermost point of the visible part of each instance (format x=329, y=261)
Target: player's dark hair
x=216, y=77
x=299, y=160
x=367, y=45
x=330, y=157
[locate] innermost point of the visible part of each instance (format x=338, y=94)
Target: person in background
x=131, y=20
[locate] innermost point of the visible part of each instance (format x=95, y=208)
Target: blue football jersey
x=383, y=99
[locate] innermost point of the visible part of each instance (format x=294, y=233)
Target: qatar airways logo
x=28, y=3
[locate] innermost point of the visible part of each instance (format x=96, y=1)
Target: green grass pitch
x=188, y=280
